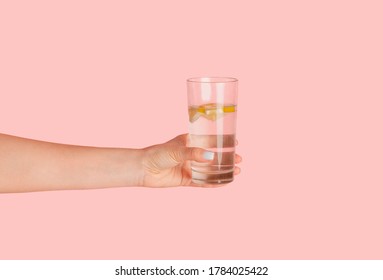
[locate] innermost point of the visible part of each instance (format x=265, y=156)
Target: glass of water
x=212, y=105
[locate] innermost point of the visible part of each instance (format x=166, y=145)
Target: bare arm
x=29, y=165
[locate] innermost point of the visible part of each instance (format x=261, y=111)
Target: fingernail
x=208, y=155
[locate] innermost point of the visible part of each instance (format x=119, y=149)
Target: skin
x=29, y=165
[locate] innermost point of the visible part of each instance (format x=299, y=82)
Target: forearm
x=29, y=165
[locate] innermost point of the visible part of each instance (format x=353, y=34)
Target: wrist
x=133, y=167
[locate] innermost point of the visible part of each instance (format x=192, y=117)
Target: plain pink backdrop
x=112, y=73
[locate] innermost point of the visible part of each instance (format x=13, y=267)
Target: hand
x=168, y=164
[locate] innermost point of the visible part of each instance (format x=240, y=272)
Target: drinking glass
x=212, y=103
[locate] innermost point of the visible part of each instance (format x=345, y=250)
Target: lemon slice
x=229, y=109
x=210, y=111
x=193, y=114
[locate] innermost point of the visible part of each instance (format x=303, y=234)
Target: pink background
x=112, y=73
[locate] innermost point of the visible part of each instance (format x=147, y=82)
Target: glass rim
x=210, y=80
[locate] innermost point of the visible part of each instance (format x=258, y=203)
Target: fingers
x=195, y=153
x=198, y=155
x=237, y=158
x=180, y=154
x=237, y=170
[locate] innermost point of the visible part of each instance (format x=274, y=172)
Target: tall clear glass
x=212, y=105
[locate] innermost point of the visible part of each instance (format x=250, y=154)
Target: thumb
x=193, y=153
